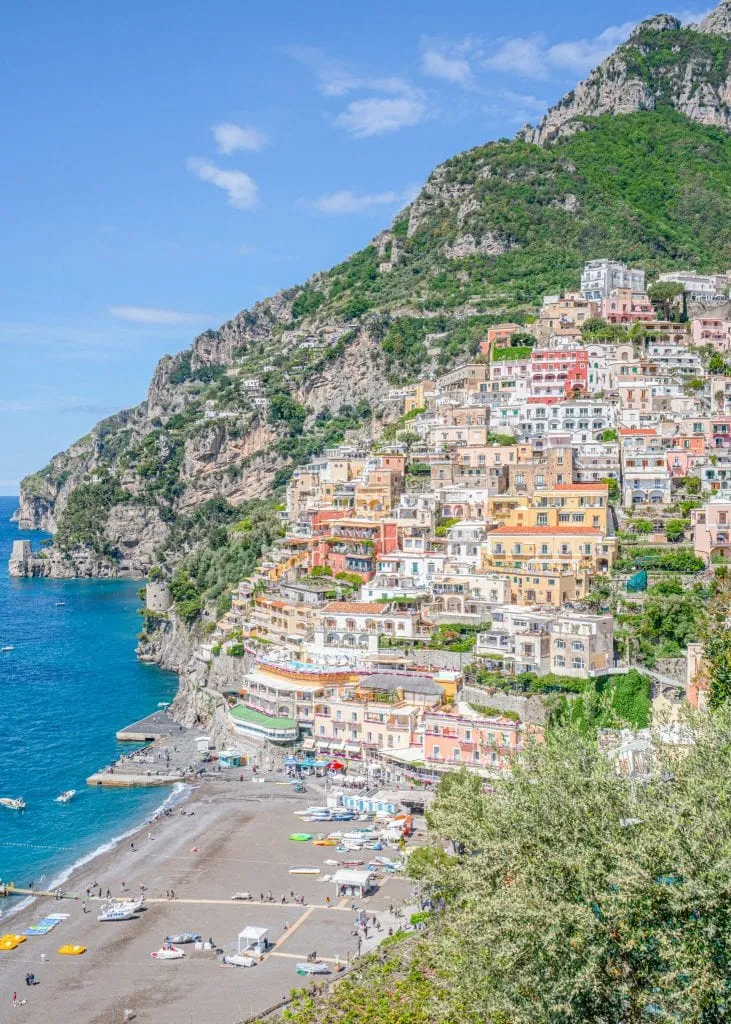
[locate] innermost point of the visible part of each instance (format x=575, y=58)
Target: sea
x=70, y=682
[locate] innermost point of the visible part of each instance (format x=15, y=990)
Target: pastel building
x=462, y=736
x=711, y=527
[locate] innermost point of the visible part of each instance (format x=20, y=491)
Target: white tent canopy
x=251, y=936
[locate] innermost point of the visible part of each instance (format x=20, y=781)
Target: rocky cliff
x=226, y=421
x=661, y=64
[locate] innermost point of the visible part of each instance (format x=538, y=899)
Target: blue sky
x=165, y=165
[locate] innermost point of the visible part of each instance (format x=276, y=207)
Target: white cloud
x=375, y=116
x=582, y=55
x=151, y=315
x=232, y=137
x=403, y=104
x=242, y=190
x=437, y=64
x=689, y=17
x=531, y=57
x=523, y=57
x=346, y=201
x=516, y=107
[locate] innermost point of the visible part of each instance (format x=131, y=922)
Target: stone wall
x=531, y=709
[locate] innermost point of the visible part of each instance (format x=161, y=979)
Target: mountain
x=660, y=65
x=634, y=164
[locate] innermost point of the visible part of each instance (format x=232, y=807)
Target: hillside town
x=445, y=589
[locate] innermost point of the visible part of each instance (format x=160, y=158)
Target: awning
x=309, y=743
x=323, y=744
x=355, y=747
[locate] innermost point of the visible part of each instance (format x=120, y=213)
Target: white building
x=600, y=277
x=712, y=289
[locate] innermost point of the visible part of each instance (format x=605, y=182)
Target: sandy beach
x=232, y=837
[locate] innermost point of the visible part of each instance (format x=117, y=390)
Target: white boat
x=17, y=804
x=133, y=905
x=314, y=967
x=59, y=604
x=68, y=794
x=304, y=871
x=246, y=895
x=7, y=647
x=168, y=953
x=239, y=960
x=116, y=912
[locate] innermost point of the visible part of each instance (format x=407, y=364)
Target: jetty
x=157, y=726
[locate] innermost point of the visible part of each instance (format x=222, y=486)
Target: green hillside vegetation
x=650, y=187
x=573, y=897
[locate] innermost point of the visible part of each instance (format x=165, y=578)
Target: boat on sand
x=314, y=967
x=168, y=952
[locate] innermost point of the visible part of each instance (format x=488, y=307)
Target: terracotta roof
x=356, y=607
x=544, y=530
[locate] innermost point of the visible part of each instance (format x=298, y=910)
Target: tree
x=609, y=435
x=582, y=898
x=675, y=528
x=614, y=489
x=693, y=484
x=663, y=295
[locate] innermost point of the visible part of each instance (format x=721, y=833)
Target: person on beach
x=83, y=907
x=109, y=894
x=132, y=847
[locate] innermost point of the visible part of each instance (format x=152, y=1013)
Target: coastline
x=224, y=837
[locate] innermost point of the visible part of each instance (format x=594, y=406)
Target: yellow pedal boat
x=71, y=950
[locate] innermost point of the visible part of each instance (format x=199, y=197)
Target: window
x=560, y=643
x=577, y=645
x=577, y=663
x=456, y=754
x=468, y=735
x=559, y=661
x=475, y=755
x=542, y=519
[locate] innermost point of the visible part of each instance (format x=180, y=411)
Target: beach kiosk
x=354, y=884
x=253, y=940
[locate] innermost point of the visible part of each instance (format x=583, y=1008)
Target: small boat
x=113, y=912
x=59, y=604
x=304, y=871
x=182, y=939
x=10, y=941
x=325, y=842
x=133, y=905
x=242, y=896
x=300, y=837
x=17, y=804
x=7, y=647
x=239, y=960
x=168, y=952
x=351, y=863
x=71, y=950
x=314, y=967
x=68, y=794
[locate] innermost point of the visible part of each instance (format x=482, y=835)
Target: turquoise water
x=70, y=683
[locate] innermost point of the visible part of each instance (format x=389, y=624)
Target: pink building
x=712, y=529
x=559, y=372
x=685, y=455
x=620, y=307
x=457, y=736
x=713, y=331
